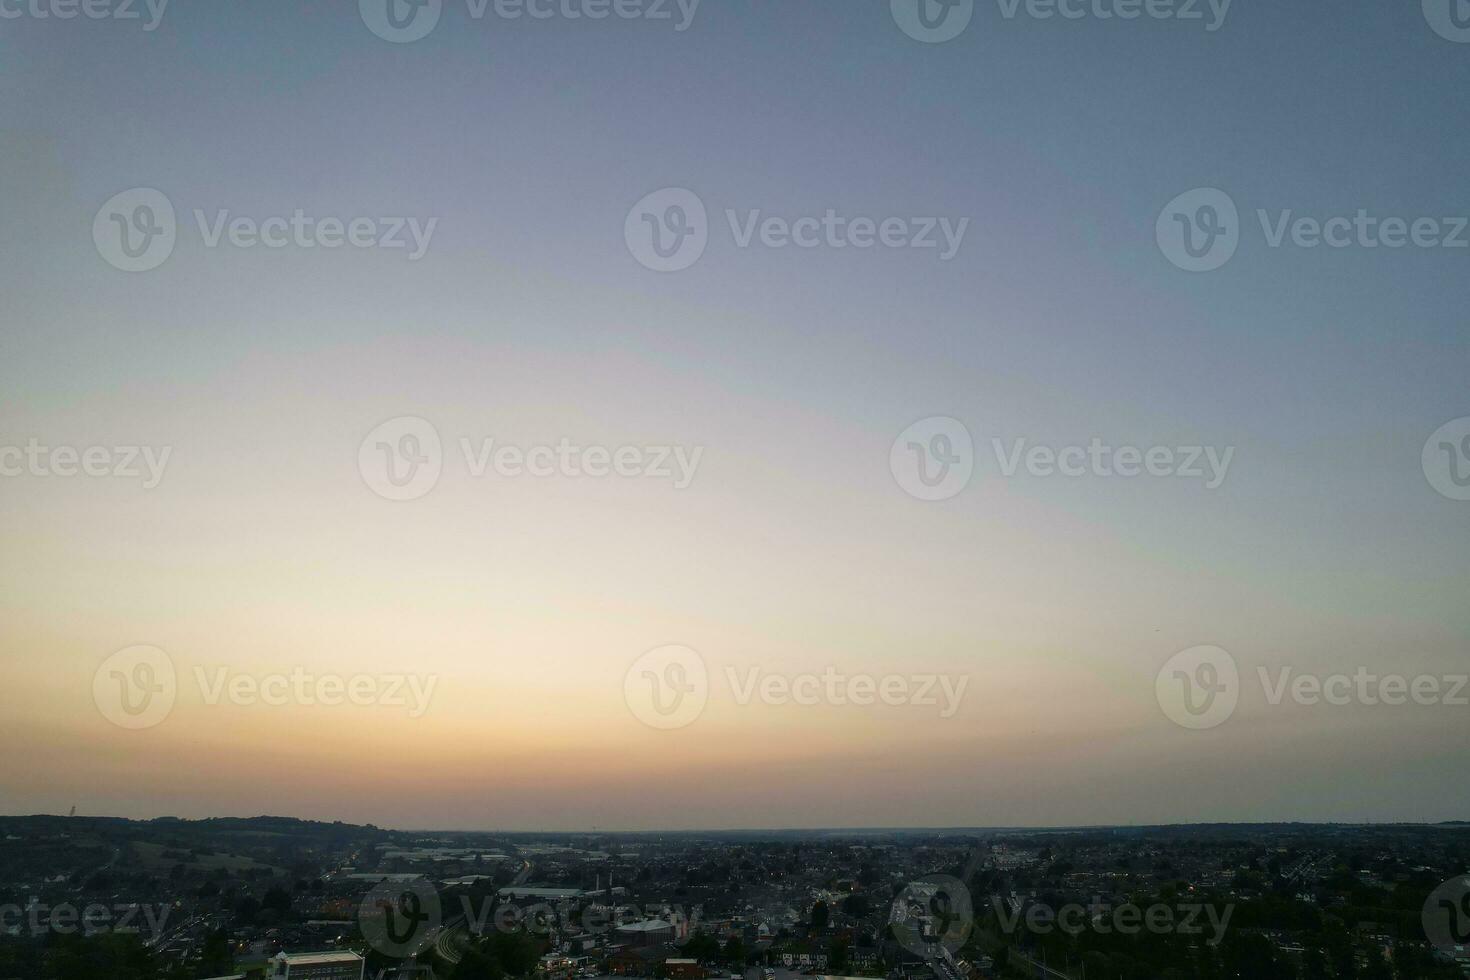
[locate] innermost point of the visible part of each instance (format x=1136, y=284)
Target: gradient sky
x=529, y=321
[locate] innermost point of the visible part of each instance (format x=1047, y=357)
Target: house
x=636, y=961
x=801, y=956
x=683, y=969
x=556, y=966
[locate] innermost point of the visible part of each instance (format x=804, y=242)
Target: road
x=1040, y=970
x=453, y=939
x=454, y=936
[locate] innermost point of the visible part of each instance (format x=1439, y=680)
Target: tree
x=1253, y=956
x=114, y=956
x=477, y=966
x=247, y=909
x=820, y=915
x=277, y=899
x=1314, y=965
x=702, y=947
x=837, y=957
x=1378, y=968
x=516, y=952
x=215, y=958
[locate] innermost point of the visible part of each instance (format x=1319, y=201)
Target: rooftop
x=317, y=959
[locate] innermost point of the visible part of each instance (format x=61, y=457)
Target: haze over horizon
x=597, y=831
x=502, y=621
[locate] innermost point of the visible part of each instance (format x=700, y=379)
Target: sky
x=511, y=630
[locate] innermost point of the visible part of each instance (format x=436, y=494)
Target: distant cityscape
x=85, y=898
